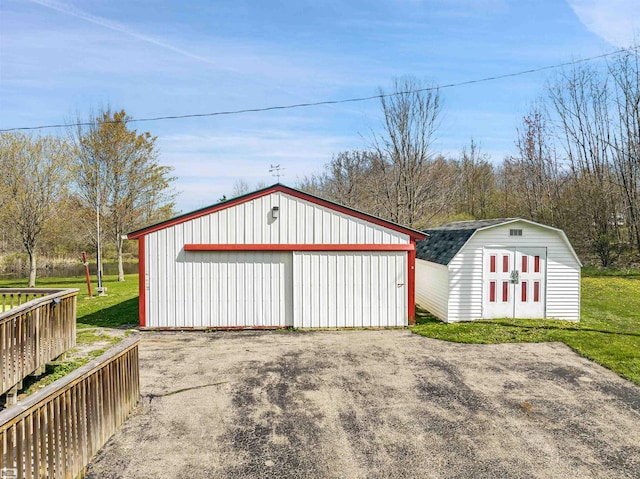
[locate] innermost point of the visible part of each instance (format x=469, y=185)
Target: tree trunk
x=32, y=270
x=119, y=245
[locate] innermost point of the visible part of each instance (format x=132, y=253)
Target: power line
x=334, y=102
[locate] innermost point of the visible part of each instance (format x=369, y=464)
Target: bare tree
x=476, y=182
x=240, y=187
x=535, y=172
x=118, y=174
x=581, y=99
x=625, y=74
x=407, y=176
x=34, y=179
x=346, y=179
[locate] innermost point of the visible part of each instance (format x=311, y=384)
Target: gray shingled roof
x=444, y=242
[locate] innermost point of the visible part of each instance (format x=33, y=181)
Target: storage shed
x=497, y=268
x=277, y=257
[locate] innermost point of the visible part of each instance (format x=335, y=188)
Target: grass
x=118, y=309
x=608, y=332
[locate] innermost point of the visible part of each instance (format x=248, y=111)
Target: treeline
x=576, y=163
x=53, y=189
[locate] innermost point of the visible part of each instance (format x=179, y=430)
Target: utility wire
x=334, y=102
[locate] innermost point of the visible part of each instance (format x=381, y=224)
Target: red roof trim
x=414, y=234
x=300, y=247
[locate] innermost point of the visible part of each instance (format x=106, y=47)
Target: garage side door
x=241, y=289
x=350, y=289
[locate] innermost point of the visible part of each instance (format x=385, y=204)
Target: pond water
x=66, y=271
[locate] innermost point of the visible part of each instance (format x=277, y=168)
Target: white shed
x=274, y=258
x=497, y=268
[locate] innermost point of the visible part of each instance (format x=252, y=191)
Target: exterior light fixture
x=275, y=212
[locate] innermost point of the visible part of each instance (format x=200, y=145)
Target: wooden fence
x=55, y=432
x=36, y=326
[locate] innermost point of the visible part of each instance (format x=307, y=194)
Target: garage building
x=277, y=257
x=497, y=268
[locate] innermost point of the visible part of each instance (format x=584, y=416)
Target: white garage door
x=243, y=289
x=350, y=289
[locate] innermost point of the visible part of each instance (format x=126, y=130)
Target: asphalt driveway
x=371, y=404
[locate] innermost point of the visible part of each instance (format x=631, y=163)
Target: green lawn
x=608, y=332
x=118, y=308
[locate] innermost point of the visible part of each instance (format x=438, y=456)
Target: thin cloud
x=615, y=21
x=219, y=65
x=103, y=22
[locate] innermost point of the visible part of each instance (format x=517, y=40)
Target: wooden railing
x=36, y=326
x=55, y=432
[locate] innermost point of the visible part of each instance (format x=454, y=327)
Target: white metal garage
x=497, y=268
x=274, y=258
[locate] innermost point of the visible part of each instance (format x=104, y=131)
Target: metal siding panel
x=340, y=299
x=356, y=277
x=314, y=302
x=153, y=279
x=151, y=245
x=327, y=232
x=368, y=235
x=224, y=309
x=291, y=236
x=162, y=277
x=178, y=274
x=221, y=233
x=363, y=234
x=369, y=309
x=322, y=315
x=249, y=233
x=374, y=291
x=345, y=289
x=349, y=288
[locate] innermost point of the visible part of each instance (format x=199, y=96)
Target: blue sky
x=61, y=59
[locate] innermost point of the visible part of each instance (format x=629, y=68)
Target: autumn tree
x=117, y=174
x=33, y=181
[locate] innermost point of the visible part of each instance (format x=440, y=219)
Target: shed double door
x=514, y=282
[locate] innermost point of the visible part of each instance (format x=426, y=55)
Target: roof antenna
x=276, y=171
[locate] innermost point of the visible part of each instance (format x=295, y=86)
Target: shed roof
x=444, y=242
x=414, y=234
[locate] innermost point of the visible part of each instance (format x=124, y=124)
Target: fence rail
x=36, y=326
x=55, y=432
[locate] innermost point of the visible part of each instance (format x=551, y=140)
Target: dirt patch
x=371, y=404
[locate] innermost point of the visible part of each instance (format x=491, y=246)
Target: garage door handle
x=400, y=285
